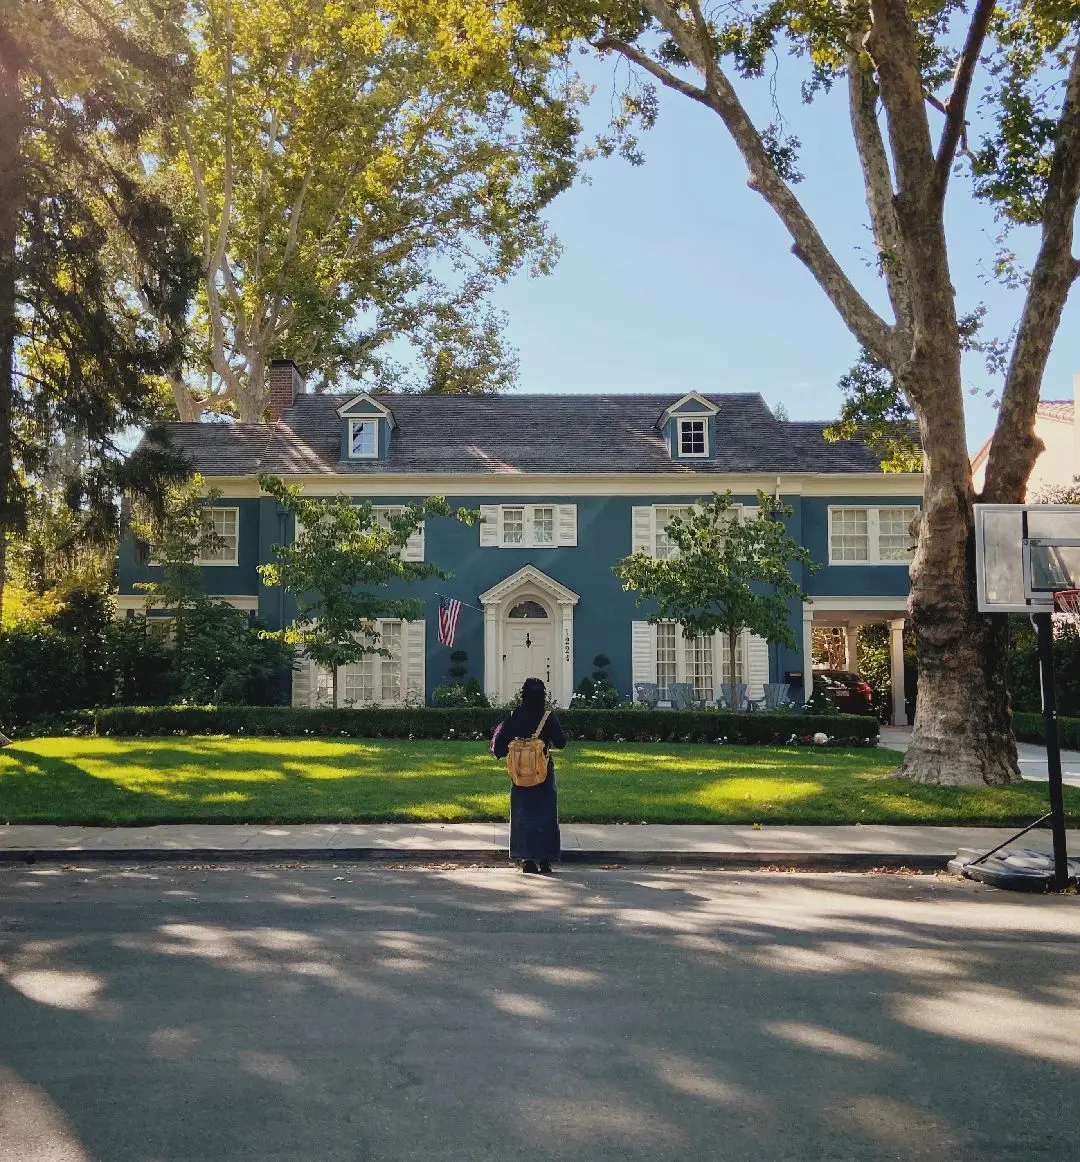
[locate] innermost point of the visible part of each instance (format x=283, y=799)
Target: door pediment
x=529, y=577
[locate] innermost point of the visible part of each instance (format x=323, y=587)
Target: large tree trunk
x=11, y=195
x=962, y=733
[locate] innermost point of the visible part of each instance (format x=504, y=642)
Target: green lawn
x=159, y=780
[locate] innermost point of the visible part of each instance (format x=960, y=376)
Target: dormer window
x=689, y=427
x=363, y=439
x=694, y=437
x=362, y=436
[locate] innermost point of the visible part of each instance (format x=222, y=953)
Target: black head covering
x=533, y=694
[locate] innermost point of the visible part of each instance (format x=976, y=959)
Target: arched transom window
x=528, y=609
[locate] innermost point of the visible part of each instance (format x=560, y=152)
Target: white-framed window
x=513, y=526
x=363, y=439
x=693, y=660
x=374, y=679
x=663, y=549
x=225, y=523
x=871, y=535
x=694, y=437
x=527, y=526
x=699, y=667
x=543, y=524
x=667, y=653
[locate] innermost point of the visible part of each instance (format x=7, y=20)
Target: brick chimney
x=286, y=383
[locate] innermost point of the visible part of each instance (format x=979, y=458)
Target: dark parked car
x=848, y=692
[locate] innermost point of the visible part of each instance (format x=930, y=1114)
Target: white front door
x=530, y=653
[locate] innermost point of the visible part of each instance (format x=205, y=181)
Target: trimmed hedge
x=478, y=722
x=1028, y=727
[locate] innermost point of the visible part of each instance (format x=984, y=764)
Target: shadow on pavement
x=330, y=1014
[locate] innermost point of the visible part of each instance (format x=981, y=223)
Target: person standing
x=534, y=811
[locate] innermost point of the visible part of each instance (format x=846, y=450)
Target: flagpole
x=465, y=603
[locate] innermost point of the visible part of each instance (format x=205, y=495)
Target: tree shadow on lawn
x=167, y=783
x=337, y=1014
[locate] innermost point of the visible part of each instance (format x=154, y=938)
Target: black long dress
x=534, y=811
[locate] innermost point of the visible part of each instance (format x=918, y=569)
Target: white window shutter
x=301, y=681
x=414, y=546
x=566, y=525
x=642, y=652
x=641, y=534
x=756, y=652
x=489, y=528
x=414, y=657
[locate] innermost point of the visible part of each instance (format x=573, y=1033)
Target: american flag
x=449, y=612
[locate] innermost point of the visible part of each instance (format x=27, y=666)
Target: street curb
x=489, y=857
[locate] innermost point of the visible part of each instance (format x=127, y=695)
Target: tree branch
x=1014, y=447
x=862, y=320
x=878, y=184
x=956, y=104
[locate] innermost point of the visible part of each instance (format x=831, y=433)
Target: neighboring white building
x=1055, y=425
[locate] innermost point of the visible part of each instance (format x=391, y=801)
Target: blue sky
x=675, y=276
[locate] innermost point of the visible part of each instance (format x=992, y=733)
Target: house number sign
x=566, y=643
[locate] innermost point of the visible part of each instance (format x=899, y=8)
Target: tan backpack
x=526, y=760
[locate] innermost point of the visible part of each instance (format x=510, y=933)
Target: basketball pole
x=1044, y=626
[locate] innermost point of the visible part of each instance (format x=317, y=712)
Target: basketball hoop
x=1067, y=604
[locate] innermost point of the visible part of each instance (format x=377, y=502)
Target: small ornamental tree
x=729, y=574
x=338, y=569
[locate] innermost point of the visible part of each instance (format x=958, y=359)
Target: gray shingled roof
x=519, y=433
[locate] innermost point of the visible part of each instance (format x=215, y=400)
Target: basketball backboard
x=1024, y=553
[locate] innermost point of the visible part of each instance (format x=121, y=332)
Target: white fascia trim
x=137, y=601
x=378, y=410
x=691, y=396
x=856, y=604
x=542, y=486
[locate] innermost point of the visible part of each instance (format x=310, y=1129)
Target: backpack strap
x=543, y=723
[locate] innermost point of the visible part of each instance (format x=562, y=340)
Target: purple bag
x=494, y=736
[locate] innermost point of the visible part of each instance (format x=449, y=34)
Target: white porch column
x=851, y=646
x=808, y=650
x=896, y=671
x=492, y=654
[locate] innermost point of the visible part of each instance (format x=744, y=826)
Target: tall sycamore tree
x=357, y=173
x=909, y=71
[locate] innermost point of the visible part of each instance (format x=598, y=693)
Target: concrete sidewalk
x=808, y=848
x=1031, y=756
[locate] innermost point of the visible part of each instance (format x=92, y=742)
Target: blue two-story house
x=568, y=485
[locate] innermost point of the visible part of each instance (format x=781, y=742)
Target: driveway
x=343, y=1014
x=1032, y=757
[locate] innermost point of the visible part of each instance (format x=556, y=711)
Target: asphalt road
x=353, y=1014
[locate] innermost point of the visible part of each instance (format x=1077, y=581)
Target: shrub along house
x=567, y=485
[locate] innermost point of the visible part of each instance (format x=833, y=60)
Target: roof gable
x=364, y=406
x=693, y=403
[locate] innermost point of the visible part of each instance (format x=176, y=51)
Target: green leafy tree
x=93, y=263
x=728, y=574
x=875, y=412
x=338, y=570
x=933, y=89
x=359, y=173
